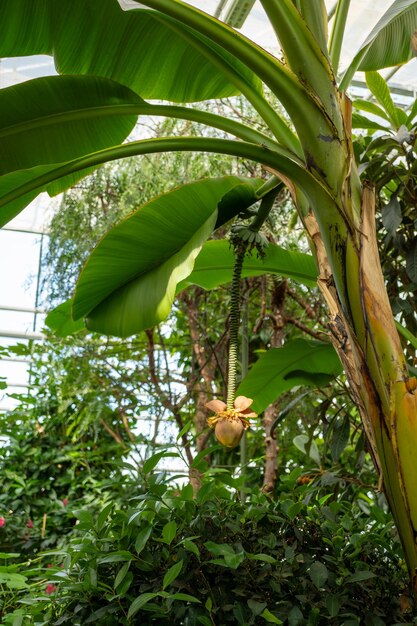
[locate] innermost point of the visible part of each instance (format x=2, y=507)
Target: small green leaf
x=142, y=539
x=308, y=446
x=256, y=607
x=333, y=604
x=266, y=558
x=92, y=574
x=187, y=492
x=360, y=121
x=411, y=260
x=231, y=561
x=104, y=515
x=201, y=455
x=183, y=596
x=190, y=546
x=97, y=615
x=295, y=617
x=380, y=90
x=86, y=519
x=239, y=614
x=219, y=549
x=371, y=107
x=121, y=574
x=169, y=531
x=412, y=114
x=392, y=216
x=292, y=511
x=153, y=461
x=318, y=574
x=172, y=574
x=139, y=602
x=187, y=427
x=359, y=575
x=13, y=581
x=340, y=436
x=270, y=618
x=116, y=557
x=9, y=555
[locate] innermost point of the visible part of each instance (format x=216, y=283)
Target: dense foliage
x=164, y=557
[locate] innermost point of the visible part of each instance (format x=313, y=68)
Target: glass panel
x=19, y=256
x=16, y=321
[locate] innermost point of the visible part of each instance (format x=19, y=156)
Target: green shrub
x=172, y=559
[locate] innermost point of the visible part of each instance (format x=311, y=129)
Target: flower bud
x=229, y=432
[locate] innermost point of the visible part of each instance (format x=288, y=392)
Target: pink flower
x=65, y=501
x=50, y=565
x=229, y=424
x=50, y=588
x=2, y=521
x=29, y=523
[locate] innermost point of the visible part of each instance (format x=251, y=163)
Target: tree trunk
x=204, y=387
x=339, y=216
x=271, y=444
x=370, y=350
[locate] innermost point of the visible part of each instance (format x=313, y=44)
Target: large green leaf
x=214, y=265
x=370, y=107
x=20, y=187
x=13, y=198
x=299, y=362
x=68, y=117
x=60, y=321
x=129, y=281
x=380, y=90
x=140, y=49
x=360, y=121
x=390, y=41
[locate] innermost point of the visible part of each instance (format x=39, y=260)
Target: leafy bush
x=46, y=472
x=172, y=559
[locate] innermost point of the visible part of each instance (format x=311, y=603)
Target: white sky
x=19, y=260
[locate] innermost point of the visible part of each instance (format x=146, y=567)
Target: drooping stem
x=240, y=249
x=244, y=358
x=241, y=242
x=265, y=208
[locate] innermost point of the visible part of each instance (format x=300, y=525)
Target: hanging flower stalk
x=240, y=247
x=232, y=417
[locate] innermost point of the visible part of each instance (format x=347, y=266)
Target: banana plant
x=112, y=57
